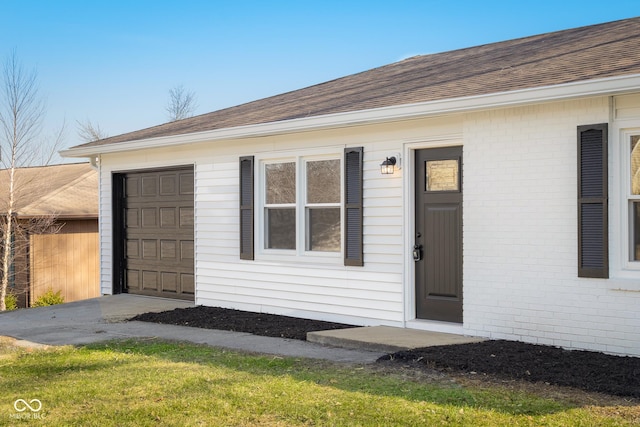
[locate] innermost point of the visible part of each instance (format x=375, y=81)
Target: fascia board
x=608, y=86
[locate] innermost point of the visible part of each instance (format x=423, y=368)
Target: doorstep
x=386, y=338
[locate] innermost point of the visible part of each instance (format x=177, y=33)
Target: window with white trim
x=306, y=205
x=302, y=205
x=280, y=205
x=633, y=196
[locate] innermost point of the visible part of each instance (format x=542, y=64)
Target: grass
x=152, y=382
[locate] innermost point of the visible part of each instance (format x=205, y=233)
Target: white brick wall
x=520, y=234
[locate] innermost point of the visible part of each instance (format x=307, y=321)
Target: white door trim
x=409, y=291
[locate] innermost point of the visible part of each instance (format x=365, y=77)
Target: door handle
x=417, y=252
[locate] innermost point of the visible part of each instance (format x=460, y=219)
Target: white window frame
x=620, y=201
x=264, y=206
x=300, y=253
x=627, y=200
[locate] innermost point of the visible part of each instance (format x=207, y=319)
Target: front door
x=438, y=234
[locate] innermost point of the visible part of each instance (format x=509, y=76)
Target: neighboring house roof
x=67, y=191
x=564, y=57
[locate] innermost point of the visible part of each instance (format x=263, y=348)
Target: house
x=56, y=237
x=512, y=210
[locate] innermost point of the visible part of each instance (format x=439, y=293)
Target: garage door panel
x=169, y=282
x=149, y=249
x=159, y=248
x=186, y=250
x=133, y=278
x=186, y=183
x=132, y=249
x=149, y=185
x=168, y=249
x=167, y=217
x=149, y=217
x=132, y=218
x=187, y=283
x=186, y=217
x=149, y=280
x=132, y=186
x=168, y=185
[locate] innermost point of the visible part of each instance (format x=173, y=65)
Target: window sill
x=326, y=260
x=625, y=281
x=633, y=288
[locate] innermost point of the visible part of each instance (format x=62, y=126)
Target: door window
x=442, y=175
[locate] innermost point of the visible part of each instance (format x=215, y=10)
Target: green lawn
x=153, y=382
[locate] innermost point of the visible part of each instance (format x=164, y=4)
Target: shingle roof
x=67, y=191
x=598, y=51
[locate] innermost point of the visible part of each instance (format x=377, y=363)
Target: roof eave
x=588, y=88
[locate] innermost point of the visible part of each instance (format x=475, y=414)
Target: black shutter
x=353, y=254
x=246, y=207
x=593, y=229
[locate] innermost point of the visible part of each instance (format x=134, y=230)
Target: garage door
x=158, y=233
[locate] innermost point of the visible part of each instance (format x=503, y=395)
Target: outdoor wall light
x=388, y=166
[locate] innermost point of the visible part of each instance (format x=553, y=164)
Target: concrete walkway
x=386, y=339
x=103, y=318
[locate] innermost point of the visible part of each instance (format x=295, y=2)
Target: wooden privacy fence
x=66, y=261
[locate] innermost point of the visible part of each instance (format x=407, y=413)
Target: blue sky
x=113, y=62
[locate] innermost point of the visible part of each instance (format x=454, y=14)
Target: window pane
x=281, y=183
x=324, y=229
x=323, y=181
x=636, y=232
x=635, y=164
x=281, y=228
x=442, y=175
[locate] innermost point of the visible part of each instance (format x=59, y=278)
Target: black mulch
x=268, y=325
x=507, y=360
x=586, y=370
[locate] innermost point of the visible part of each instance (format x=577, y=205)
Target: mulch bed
x=508, y=360
x=268, y=325
x=586, y=370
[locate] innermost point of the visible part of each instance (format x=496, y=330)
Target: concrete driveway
x=103, y=318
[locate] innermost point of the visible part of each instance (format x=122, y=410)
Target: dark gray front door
x=438, y=234
x=158, y=233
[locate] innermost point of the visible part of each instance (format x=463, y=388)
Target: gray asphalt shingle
x=594, y=52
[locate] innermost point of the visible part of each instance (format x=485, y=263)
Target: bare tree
x=89, y=132
x=22, y=111
x=181, y=104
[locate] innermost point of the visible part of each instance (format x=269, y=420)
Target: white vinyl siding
x=372, y=294
x=296, y=286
